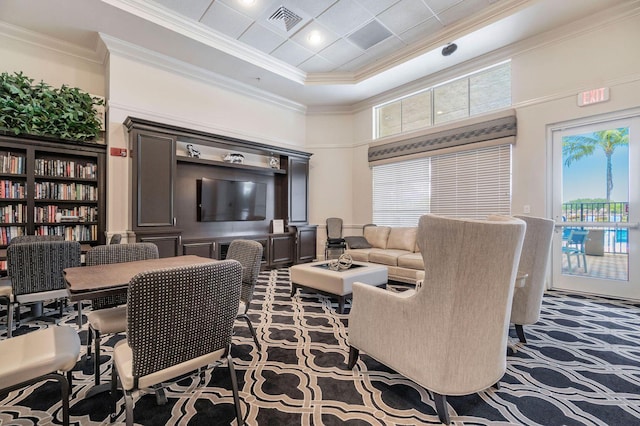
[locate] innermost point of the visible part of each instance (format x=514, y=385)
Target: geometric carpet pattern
x=580, y=366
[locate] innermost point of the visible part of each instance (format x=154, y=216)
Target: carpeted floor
x=581, y=366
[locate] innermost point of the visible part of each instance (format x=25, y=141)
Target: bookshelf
x=51, y=187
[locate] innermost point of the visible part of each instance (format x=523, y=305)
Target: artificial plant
x=39, y=109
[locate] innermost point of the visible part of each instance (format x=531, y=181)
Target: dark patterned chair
x=108, y=314
x=35, y=270
x=169, y=336
x=450, y=335
x=249, y=254
x=334, y=237
x=6, y=298
x=536, y=250
x=38, y=356
x=35, y=238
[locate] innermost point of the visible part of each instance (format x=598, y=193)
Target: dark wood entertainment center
x=164, y=193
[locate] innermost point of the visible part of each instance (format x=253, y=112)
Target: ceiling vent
x=369, y=35
x=285, y=19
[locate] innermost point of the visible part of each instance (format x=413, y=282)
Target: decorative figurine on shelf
x=193, y=151
x=234, y=158
x=274, y=162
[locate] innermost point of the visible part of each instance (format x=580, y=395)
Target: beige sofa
x=394, y=247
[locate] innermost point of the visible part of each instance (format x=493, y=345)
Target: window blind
x=472, y=184
x=467, y=184
x=401, y=192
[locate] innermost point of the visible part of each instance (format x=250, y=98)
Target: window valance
x=500, y=127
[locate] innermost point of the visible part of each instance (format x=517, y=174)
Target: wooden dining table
x=91, y=282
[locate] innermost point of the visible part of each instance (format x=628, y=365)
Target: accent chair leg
x=520, y=333
x=10, y=320
x=353, y=357
x=96, y=357
x=234, y=387
x=496, y=385
x=252, y=330
x=128, y=406
x=64, y=385
x=441, y=408
x=79, y=318
x=114, y=397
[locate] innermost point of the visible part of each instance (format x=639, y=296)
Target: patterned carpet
x=581, y=366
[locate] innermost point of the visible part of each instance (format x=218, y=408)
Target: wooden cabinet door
x=281, y=249
x=306, y=244
x=154, y=175
x=168, y=244
x=298, y=174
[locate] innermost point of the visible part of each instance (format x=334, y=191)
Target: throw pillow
x=357, y=242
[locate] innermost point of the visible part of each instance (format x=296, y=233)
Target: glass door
x=595, y=205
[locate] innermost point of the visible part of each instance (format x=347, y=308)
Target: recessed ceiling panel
x=317, y=64
x=304, y=37
x=345, y=16
x=341, y=52
x=314, y=8
x=404, y=15
x=254, y=10
x=226, y=20
x=377, y=6
x=438, y=6
x=461, y=10
x=262, y=38
x=427, y=29
x=292, y=53
x=193, y=9
x=369, y=35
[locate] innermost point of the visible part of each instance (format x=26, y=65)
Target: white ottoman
x=318, y=277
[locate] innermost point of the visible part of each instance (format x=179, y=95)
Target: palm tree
x=576, y=147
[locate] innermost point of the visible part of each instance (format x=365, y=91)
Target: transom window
x=476, y=93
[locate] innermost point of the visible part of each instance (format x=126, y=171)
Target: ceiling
x=365, y=47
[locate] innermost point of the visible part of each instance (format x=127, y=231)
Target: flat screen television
x=229, y=200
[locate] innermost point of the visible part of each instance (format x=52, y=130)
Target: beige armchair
x=450, y=336
x=536, y=250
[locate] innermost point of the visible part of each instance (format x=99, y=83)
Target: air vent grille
x=285, y=18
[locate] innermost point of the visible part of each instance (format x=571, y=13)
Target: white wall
x=54, y=67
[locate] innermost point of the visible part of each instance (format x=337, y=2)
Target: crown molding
x=24, y=35
x=172, y=21
x=175, y=66
x=179, y=121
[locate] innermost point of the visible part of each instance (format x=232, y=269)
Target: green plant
x=39, y=109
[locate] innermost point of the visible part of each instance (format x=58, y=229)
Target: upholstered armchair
x=35, y=270
x=38, y=356
x=108, y=314
x=450, y=336
x=534, y=259
x=169, y=336
x=249, y=254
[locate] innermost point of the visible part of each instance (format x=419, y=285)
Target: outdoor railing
x=614, y=240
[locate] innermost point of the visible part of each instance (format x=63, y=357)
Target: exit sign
x=593, y=96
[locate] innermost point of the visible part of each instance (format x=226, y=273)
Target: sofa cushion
x=411, y=261
x=377, y=235
x=357, y=242
x=359, y=255
x=402, y=238
x=386, y=257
